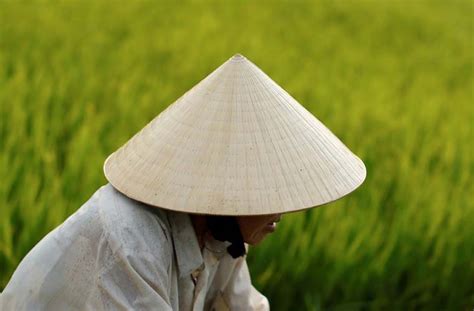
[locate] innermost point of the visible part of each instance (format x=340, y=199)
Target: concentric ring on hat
x=235, y=144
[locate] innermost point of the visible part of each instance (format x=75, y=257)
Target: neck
x=200, y=227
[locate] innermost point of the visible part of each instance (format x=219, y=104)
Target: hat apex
x=237, y=56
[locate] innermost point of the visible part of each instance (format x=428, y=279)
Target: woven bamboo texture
x=235, y=144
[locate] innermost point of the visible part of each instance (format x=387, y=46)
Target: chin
x=255, y=241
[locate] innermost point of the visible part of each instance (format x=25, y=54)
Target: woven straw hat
x=235, y=144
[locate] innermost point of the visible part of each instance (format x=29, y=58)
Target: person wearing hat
x=185, y=197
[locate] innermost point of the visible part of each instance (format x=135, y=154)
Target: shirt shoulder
x=133, y=228
x=106, y=237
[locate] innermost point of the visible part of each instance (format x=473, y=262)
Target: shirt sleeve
x=132, y=283
x=240, y=294
x=108, y=255
x=135, y=262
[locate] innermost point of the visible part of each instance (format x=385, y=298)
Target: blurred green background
x=392, y=79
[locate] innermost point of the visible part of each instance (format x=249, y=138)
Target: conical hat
x=235, y=144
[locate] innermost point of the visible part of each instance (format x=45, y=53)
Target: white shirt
x=115, y=253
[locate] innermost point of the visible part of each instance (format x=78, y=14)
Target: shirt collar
x=188, y=253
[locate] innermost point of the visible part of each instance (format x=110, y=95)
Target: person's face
x=255, y=228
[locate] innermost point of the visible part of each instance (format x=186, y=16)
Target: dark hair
x=226, y=228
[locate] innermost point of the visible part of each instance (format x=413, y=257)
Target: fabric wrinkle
x=115, y=253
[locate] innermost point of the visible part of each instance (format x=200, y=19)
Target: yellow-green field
x=392, y=79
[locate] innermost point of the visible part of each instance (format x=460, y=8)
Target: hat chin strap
x=226, y=228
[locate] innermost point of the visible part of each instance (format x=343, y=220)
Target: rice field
x=392, y=79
